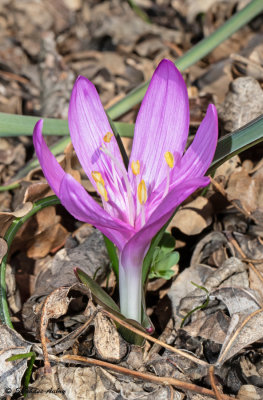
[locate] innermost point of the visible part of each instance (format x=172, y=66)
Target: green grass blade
x=193, y=55
x=9, y=237
x=234, y=143
x=112, y=255
x=17, y=125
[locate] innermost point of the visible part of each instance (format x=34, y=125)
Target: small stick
x=213, y=383
x=161, y=380
x=238, y=248
x=152, y=339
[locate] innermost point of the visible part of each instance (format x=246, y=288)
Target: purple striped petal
x=135, y=250
x=162, y=123
x=200, y=153
x=84, y=208
x=51, y=168
x=75, y=198
x=88, y=124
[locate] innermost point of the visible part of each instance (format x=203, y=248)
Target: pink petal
x=74, y=197
x=88, y=124
x=135, y=250
x=51, y=168
x=84, y=208
x=162, y=123
x=200, y=153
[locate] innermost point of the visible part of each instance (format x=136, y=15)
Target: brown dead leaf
x=3, y=248
x=36, y=191
x=250, y=392
x=243, y=330
x=6, y=218
x=11, y=372
x=50, y=240
x=238, y=300
x=194, y=217
x=87, y=383
x=212, y=327
x=108, y=343
x=244, y=189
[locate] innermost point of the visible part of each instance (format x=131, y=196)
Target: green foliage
x=164, y=258
x=204, y=305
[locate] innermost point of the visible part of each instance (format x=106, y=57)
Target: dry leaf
x=11, y=372
x=108, y=343
x=194, y=217
x=243, y=330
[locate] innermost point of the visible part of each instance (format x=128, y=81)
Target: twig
x=161, y=380
x=152, y=339
x=238, y=248
x=213, y=383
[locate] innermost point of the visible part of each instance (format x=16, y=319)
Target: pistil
x=124, y=175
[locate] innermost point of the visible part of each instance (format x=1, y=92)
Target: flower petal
x=135, y=249
x=88, y=124
x=84, y=208
x=200, y=153
x=162, y=124
x=75, y=198
x=51, y=168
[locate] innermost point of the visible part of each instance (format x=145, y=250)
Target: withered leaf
x=11, y=372
x=243, y=330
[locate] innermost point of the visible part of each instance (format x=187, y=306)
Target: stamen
x=135, y=166
x=97, y=177
x=107, y=137
x=102, y=191
x=142, y=192
x=142, y=197
x=169, y=158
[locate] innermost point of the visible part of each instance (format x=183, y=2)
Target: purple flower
x=137, y=202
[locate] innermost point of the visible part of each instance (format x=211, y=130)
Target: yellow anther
x=102, y=191
x=97, y=177
x=107, y=137
x=142, y=192
x=169, y=158
x=135, y=166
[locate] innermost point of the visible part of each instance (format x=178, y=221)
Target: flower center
x=117, y=170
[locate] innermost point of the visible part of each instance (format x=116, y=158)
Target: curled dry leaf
x=238, y=300
x=185, y=297
x=3, y=248
x=250, y=392
x=243, y=330
x=6, y=218
x=212, y=327
x=246, y=192
x=193, y=217
x=88, y=383
x=108, y=343
x=207, y=246
x=11, y=372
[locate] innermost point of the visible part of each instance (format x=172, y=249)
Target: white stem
x=130, y=289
